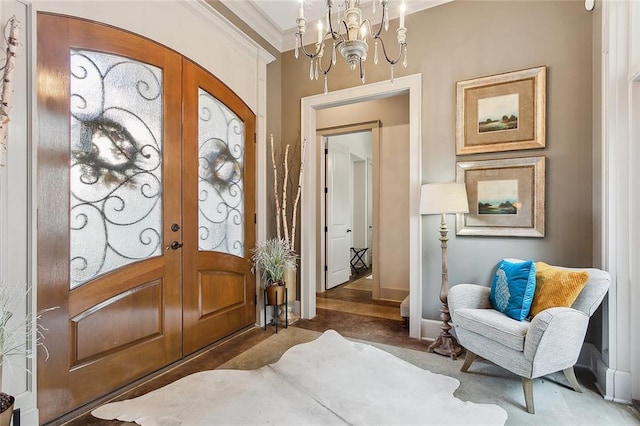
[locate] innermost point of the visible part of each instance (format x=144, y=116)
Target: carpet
x=329, y=380
x=365, y=283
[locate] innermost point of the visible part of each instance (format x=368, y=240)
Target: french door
x=145, y=178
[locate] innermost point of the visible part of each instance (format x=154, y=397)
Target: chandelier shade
x=348, y=33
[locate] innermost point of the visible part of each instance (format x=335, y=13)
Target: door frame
x=311, y=256
x=322, y=137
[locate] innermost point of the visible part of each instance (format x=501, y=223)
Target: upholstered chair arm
x=554, y=340
x=469, y=296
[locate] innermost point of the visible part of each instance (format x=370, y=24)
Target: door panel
x=146, y=206
x=219, y=207
x=338, y=215
x=88, y=357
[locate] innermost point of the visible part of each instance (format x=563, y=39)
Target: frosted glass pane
x=220, y=177
x=115, y=163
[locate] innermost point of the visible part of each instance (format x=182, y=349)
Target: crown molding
x=258, y=20
x=204, y=10
x=284, y=41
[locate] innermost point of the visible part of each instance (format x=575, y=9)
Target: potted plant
x=272, y=258
x=14, y=337
x=286, y=213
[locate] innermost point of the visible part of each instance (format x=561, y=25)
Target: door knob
x=348, y=230
x=174, y=245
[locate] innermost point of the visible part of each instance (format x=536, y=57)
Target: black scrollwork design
x=115, y=163
x=220, y=171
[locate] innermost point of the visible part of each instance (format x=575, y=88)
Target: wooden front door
x=219, y=290
x=124, y=249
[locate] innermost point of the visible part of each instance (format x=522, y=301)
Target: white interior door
x=338, y=214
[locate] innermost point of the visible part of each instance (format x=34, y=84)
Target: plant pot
x=6, y=404
x=275, y=294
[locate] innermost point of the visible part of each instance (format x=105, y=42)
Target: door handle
x=174, y=245
x=348, y=230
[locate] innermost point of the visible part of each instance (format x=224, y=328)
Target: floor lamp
x=443, y=198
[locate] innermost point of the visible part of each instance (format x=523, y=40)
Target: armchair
x=549, y=343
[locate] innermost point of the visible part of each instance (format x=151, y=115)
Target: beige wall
x=393, y=227
x=468, y=39
x=274, y=127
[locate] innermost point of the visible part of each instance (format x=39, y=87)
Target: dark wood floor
x=369, y=327
x=355, y=326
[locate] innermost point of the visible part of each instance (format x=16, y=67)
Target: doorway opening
x=350, y=191
x=312, y=245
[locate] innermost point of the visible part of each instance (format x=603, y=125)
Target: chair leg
x=468, y=360
x=571, y=377
x=527, y=385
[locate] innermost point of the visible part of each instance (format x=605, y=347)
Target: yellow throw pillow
x=556, y=287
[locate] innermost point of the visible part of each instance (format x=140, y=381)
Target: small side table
x=357, y=255
x=275, y=310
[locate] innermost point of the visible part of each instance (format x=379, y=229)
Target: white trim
x=619, y=382
x=309, y=215
x=204, y=10
x=258, y=21
x=610, y=383
x=634, y=229
x=15, y=213
x=620, y=377
x=261, y=171
x=430, y=329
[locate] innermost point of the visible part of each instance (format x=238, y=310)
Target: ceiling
x=275, y=20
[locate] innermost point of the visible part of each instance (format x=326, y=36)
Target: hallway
x=350, y=310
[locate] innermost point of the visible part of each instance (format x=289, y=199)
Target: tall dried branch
x=285, y=222
x=275, y=188
x=299, y=191
x=5, y=94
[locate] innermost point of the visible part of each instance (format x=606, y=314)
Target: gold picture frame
x=504, y=112
x=506, y=197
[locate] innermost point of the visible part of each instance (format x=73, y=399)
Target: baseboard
x=620, y=386
x=29, y=417
x=613, y=385
x=392, y=294
x=429, y=329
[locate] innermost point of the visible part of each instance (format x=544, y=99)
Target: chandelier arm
x=384, y=13
x=304, y=50
x=346, y=28
x=324, y=72
x=384, y=52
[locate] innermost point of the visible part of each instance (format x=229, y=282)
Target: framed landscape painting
x=503, y=112
x=506, y=197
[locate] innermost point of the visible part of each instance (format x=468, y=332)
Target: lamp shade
x=437, y=198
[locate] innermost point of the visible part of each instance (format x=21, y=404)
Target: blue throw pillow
x=513, y=288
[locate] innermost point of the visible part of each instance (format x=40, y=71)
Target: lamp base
x=446, y=345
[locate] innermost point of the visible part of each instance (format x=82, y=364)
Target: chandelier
x=349, y=37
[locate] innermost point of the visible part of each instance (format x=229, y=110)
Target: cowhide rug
x=330, y=380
